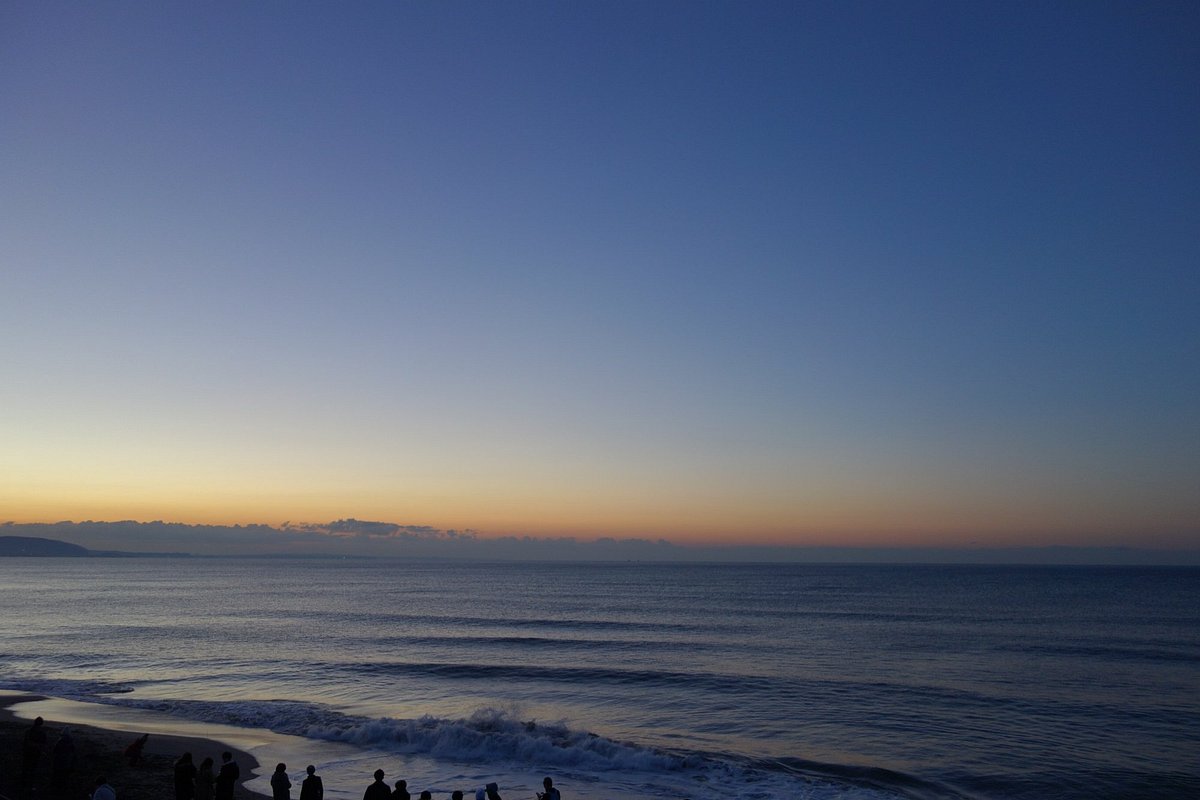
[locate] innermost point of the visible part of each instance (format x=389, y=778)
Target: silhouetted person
x=62, y=759
x=377, y=790
x=31, y=749
x=185, y=778
x=102, y=791
x=311, y=788
x=551, y=793
x=281, y=785
x=134, y=751
x=493, y=792
x=401, y=791
x=426, y=795
x=226, y=778
x=456, y=795
x=204, y=780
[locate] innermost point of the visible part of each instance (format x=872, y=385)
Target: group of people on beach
x=312, y=789
x=200, y=783
x=62, y=755
x=208, y=782
x=62, y=761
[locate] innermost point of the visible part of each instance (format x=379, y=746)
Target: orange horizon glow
x=833, y=532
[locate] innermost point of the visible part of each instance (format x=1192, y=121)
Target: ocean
x=635, y=680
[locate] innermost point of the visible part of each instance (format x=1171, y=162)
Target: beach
x=99, y=751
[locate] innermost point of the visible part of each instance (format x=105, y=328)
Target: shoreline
x=100, y=751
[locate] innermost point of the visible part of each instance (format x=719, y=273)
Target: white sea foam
x=492, y=740
x=487, y=735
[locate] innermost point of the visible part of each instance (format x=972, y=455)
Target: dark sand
x=101, y=752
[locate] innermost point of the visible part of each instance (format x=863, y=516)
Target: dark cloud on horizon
x=343, y=537
x=351, y=537
x=378, y=530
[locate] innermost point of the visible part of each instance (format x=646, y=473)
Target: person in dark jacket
x=185, y=778
x=377, y=790
x=204, y=780
x=62, y=760
x=401, y=791
x=227, y=778
x=281, y=785
x=312, y=788
x=31, y=749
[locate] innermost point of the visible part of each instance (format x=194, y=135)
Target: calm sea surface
x=642, y=680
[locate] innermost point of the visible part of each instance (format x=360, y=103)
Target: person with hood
x=377, y=790
x=281, y=785
x=102, y=791
x=312, y=788
x=185, y=778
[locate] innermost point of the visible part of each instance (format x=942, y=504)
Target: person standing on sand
x=401, y=791
x=62, y=759
x=185, y=778
x=31, y=749
x=493, y=792
x=281, y=786
x=377, y=790
x=226, y=778
x=204, y=780
x=312, y=788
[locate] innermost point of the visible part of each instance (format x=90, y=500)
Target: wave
x=83, y=690
x=557, y=674
x=385, y=619
x=487, y=735
x=496, y=737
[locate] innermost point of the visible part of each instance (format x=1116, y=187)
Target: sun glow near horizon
x=733, y=274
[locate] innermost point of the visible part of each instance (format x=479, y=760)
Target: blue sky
x=864, y=273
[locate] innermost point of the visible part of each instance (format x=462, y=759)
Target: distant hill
x=33, y=546
x=54, y=548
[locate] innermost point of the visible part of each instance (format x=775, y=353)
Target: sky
x=832, y=274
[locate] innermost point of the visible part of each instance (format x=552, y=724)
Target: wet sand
x=99, y=751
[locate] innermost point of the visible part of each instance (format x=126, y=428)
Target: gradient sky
x=812, y=273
